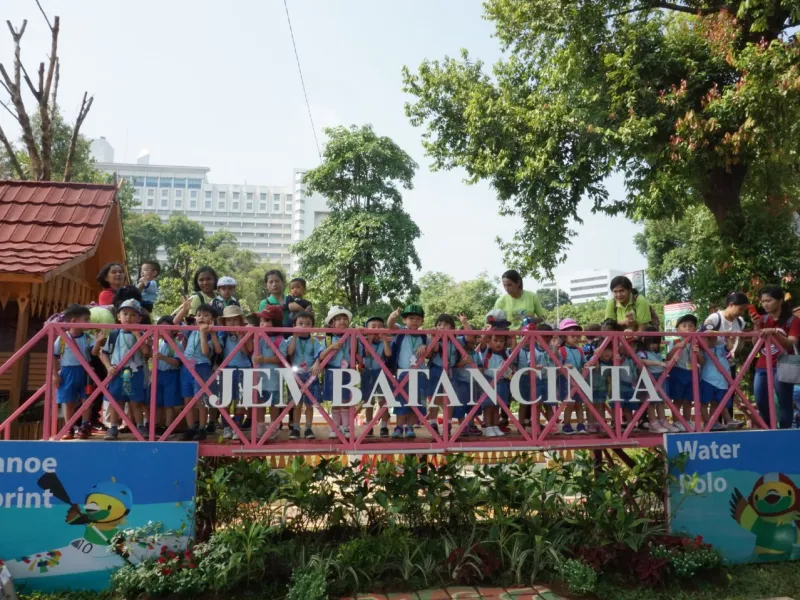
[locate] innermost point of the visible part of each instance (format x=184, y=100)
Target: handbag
x=789, y=369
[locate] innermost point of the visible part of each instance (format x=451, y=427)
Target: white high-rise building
x=585, y=286
x=266, y=219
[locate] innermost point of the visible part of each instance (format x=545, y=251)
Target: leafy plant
x=308, y=583
x=580, y=577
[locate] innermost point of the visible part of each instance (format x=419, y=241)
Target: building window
x=288, y=197
x=193, y=194
x=150, y=201
x=137, y=197
x=207, y=203
x=151, y=193
x=235, y=195
x=276, y=197
x=164, y=194
x=194, y=184
x=221, y=195
x=249, y=195
x=221, y=204
x=249, y=205
x=138, y=181
x=288, y=207
x=181, y=183
x=178, y=202
x=234, y=203
x=179, y=193
x=151, y=181
x=263, y=196
x=276, y=207
x=193, y=202
x=262, y=206
x=164, y=202
x=165, y=182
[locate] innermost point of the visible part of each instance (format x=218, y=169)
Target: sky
x=216, y=84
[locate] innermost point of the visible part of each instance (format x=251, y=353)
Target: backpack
x=397, y=343
x=716, y=326
x=59, y=317
x=219, y=304
x=654, y=320
x=216, y=359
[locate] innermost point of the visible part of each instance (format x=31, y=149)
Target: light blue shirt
x=685, y=358
x=150, y=292
x=125, y=341
x=655, y=356
x=462, y=374
x=408, y=351
x=710, y=374
x=627, y=376
x=342, y=355
x=370, y=364
x=489, y=362
x=452, y=357
x=228, y=340
x=84, y=342
x=273, y=383
x=194, y=349
x=164, y=349
x=306, y=351
x=571, y=356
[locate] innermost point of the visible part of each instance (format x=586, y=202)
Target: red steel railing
x=540, y=434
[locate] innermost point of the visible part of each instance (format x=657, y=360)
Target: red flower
x=166, y=571
x=192, y=566
x=161, y=560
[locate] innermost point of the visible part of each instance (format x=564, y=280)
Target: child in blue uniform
x=267, y=359
x=489, y=360
x=71, y=378
x=304, y=350
x=382, y=345
x=233, y=316
x=649, y=352
x=168, y=386
x=601, y=383
x=571, y=357
x=127, y=384
x=713, y=386
x=461, y=376
x=408, y=352
x=436, y=368
x=148, y=286
x=680, y=377
x=338, y=318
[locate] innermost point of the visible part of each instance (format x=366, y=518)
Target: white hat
x=226, y=281
x=335, y=311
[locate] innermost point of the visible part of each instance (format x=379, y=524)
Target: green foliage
x=440, y=293
x=308, y=584
x=688, y=259
x=580, y=577
x=548, y=298
x=364, y=251
x=691, y=109
x=591, y=312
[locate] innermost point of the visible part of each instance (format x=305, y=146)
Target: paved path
x=466, y=593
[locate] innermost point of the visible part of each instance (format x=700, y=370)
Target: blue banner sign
x=739, y=491
x=64, y=507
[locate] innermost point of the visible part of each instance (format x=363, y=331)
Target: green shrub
x=308, y=583
x=580, y=577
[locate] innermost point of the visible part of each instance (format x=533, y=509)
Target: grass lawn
x=746, y=582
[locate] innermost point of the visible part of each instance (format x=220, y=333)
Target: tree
x=548, y=298
x=688, y=259
x=40, y=128
x=440, y=293
x=363, y=252
x=693, y=102
x=144, y=233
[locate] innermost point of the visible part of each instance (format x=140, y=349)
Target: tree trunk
x=722, y=196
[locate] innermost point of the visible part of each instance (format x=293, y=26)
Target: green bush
x=580, y=577
x=308, y=583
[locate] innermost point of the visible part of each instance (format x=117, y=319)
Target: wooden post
x=20, y=368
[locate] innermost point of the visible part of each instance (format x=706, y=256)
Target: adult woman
x=275, y=283
x=518, y=303
x=784, y=329
x=111, y=277
x=205, y=287
x=626, y=308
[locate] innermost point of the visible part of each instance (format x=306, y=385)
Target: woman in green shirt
x=626, y=308
x=275, y=283
x=205, y=288
x=518, y=303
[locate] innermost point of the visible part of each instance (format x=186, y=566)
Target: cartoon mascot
x=770, y=514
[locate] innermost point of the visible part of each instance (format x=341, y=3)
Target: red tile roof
x=45, y=225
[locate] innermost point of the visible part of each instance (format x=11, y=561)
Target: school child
x=201, y=345
x=271, y=316
x=233, y=316
x=462, y=379
x=601, y=384
x=680, y=377
x=408, y=352
x=542, y=360
x=713, y=387
x=168, y=386
x=436, y=368
x=490, y=360
x=294, y=303
x=338, y=318
x=592, y=342
x=304, y=350
x=382, y=345
x=147, y=285
x=571, y=356
x=627, y=377
x=71, y=378
x=127, y=384
x=226, y=288
x=649, y=352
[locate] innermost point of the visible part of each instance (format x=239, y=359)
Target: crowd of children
x=317, y=362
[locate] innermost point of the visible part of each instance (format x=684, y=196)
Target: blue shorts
x=73, y=385
x=526, y=389
x=680, y=385
x=136, y=392
x=599, y=396
x=710, y=393
x=368, y=379
x=503, y=393
x=168, y=388
x=314, y=389
x=432, y=380
x=328, y=391
x=627, y=394
x=403, y=409
x=189, y=385
x=564, y=391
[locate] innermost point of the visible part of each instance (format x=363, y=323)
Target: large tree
x=693, y=102
x=364, y=251
x=548, y=298
x=440, y=293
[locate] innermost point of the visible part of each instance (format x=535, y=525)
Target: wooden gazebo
x=54, y=237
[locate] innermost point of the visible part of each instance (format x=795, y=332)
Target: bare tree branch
x=45, y=15
x=44, y=89
x=12, y=157
x=84, y=110
x=666, y=6
x=53, y=100
x=15, y=89
x=11, y=112
x=34, y=91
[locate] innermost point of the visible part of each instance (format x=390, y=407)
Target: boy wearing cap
x=342, y=350
x=408, y=352
x=226, y=286
x=168, y=387
x=571, y=355
x=233, y=316
x=382, y=346
x=127, y=383
x=680, y=377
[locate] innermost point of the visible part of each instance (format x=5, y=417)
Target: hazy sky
x=216, y=84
